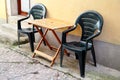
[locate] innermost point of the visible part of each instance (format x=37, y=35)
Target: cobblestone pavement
x=14, y=66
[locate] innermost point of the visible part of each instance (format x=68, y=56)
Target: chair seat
x=28, y=30
x=77, y=46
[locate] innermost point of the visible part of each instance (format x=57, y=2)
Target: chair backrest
x=38, y=11
x=90, y=22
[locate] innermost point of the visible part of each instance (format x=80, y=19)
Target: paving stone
x=14, y=66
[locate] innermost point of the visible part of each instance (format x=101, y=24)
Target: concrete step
x=9, y=31
x=8, y=34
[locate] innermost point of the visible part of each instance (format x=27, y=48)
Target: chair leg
x=82, y=58
x=18, y=39
x=76, y=55
x=61, y=56
x=30, y=36
x=93, y=55
x=33, y=36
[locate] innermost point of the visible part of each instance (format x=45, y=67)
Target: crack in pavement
x=35, y=72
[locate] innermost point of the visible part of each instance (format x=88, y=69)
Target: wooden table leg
x=56, y=54
x=59, y=40
x=42, y=39
x=52, y=59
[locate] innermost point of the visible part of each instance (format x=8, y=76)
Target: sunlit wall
x=2, y=10
x=68, y=10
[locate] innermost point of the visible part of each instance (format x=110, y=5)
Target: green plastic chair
x=91, y=23
x=38, y=11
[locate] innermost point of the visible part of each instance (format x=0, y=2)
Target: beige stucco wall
x=68, y=10
x=2, y=10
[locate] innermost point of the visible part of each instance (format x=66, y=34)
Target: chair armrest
x=65, y=32
x=93, y=36
x=19, y=21
x=24, y=18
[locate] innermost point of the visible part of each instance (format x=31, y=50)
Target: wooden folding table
x=49, y=24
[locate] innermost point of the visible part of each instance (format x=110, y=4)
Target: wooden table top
x=50, y=23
